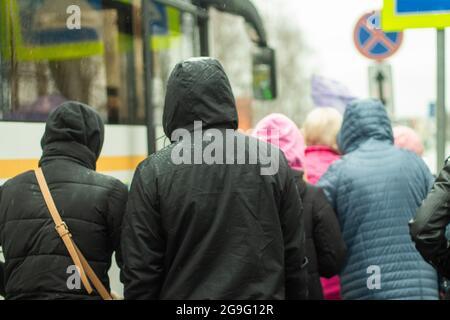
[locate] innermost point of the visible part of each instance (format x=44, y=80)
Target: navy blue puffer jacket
x=376, y=189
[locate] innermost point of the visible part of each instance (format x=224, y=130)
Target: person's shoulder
x=156, y=162
x=312, y=189
x=110, y=182
x=340, y=170
x=404, y=152
x=409, y=157
x=316, y=193
x=22, y=178
x=341, y=162
x=413, y=164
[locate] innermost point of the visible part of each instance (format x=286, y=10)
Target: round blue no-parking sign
x=374, y=43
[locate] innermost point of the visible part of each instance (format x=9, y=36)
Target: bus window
x=46, y=58
x=175, y=38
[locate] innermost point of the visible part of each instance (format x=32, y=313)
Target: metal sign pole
x=441, y=114
x=148, y=76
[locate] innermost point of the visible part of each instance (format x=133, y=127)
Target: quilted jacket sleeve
x=143, y=242
x=117, y=203
x=330, y=245
x=293, y=226
x=329, y=183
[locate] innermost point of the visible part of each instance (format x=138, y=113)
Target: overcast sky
x=328, y=29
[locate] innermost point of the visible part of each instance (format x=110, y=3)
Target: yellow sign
x=13, y=39
x=11, y=27
x=173, y=36
x=398, y=15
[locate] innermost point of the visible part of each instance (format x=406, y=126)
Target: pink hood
x=407, y=138
x=318, y=160
x=282, y=132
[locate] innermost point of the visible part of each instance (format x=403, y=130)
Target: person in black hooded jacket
x=430, y=228
x=211, y=231
x=92, y=205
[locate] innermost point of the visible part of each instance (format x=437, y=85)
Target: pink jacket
x=318, y=159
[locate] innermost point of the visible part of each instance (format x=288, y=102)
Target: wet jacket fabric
x=376, y=189
x=211, y=231
x=92, y=205
x=429, y=230
x=325, y=246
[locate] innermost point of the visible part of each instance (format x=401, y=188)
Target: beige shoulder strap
x=78, y=259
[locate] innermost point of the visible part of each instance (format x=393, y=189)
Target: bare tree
x=293, y=85
x=233, y=47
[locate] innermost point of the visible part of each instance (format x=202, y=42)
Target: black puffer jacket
x=219, y=231
x=430, y=226
x=325, y=246
x=91, y=204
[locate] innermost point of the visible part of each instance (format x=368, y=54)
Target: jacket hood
x=282, y=132
x=364, y=120
x=407, y=138
x=73, y=131
x=199, y=90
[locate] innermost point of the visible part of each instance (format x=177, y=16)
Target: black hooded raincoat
x=211, y=231
x=90, y=203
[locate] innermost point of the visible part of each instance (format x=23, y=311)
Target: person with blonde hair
x=320, y=130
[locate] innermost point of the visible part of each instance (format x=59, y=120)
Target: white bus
x=114, y=55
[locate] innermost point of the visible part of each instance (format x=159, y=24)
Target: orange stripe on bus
x=119, y=163
x=11, y=168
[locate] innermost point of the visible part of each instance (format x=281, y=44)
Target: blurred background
x=315, y=38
